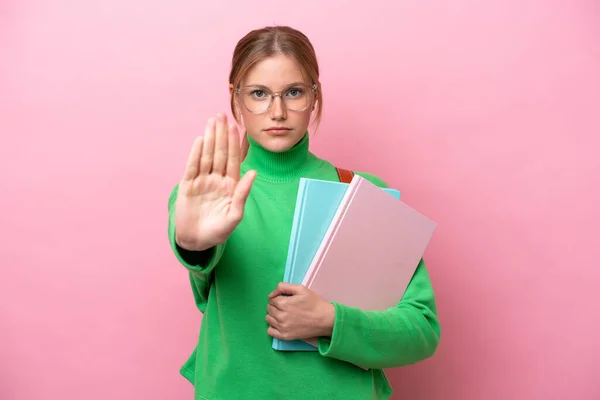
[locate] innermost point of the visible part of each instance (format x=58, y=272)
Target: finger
x=272, y=321
x=274, y=332
x=275, y=293
x=208, y=147
x=192, y=167
x=240, y=195
x=221, y=139
x=274, y=310
x=233, y=154
x=286, y=288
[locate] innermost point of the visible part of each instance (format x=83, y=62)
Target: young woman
x=230, y=220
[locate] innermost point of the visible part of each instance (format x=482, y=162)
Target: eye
x=258, y=93
x=294, y=92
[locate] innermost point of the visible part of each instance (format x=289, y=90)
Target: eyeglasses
x=258, y=99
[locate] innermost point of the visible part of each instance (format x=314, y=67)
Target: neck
x=282, y=166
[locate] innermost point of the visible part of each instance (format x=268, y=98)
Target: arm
x=398, y=336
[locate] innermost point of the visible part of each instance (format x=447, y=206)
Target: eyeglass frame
x=275, y=94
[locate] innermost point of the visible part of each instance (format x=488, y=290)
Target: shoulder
x=374, y=179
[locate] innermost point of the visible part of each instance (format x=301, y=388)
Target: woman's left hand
x=302, y=314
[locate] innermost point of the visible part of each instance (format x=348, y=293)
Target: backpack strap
x=344, y=175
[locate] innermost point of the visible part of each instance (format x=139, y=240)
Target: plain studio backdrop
x=484, y=114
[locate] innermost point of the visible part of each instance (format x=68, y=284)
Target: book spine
x=293, y=245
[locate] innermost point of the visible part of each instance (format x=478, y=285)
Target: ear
x=235, y=101
x=231, y=93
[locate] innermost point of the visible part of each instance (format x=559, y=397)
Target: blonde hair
x=259, y=44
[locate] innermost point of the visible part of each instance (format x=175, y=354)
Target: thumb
x=286, y=289
x=240, y=194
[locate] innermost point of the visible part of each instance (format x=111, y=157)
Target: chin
x=279, y=143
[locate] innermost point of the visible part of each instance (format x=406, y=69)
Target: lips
x=278, y=130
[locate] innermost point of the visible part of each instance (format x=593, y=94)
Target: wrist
x=327, y=319
x=192, y=246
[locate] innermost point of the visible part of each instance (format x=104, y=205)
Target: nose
x=278, y=111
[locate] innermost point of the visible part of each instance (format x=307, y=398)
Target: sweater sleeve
x=199, y=263
x=401, y=335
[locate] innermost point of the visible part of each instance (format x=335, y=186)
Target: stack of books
x=354, y=243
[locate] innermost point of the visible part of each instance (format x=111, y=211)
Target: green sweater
x=233, y=358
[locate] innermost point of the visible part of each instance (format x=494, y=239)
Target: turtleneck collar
x=283, y=166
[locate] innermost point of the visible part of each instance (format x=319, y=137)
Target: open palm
x=211, y=196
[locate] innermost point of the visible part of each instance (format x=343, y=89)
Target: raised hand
x=211, y=197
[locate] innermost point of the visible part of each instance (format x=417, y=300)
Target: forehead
x=275, y=72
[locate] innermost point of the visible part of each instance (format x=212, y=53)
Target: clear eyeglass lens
x=257, y=100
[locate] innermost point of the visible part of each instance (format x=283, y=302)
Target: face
x=281, y=126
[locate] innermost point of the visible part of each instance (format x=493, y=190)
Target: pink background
x=484, y=114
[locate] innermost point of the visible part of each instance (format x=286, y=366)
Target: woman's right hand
x=211, y=197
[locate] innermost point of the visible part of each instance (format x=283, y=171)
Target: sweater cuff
x=334, y=347
x=196, y=259
x=199, y=262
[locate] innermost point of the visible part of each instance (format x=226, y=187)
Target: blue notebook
x=316, y=205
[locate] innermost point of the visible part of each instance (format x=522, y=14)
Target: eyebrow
x=286, y=86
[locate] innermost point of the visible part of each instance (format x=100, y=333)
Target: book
x=370, y=251
x=316, y=204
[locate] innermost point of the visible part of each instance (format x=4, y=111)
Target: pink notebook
x=371, y=249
